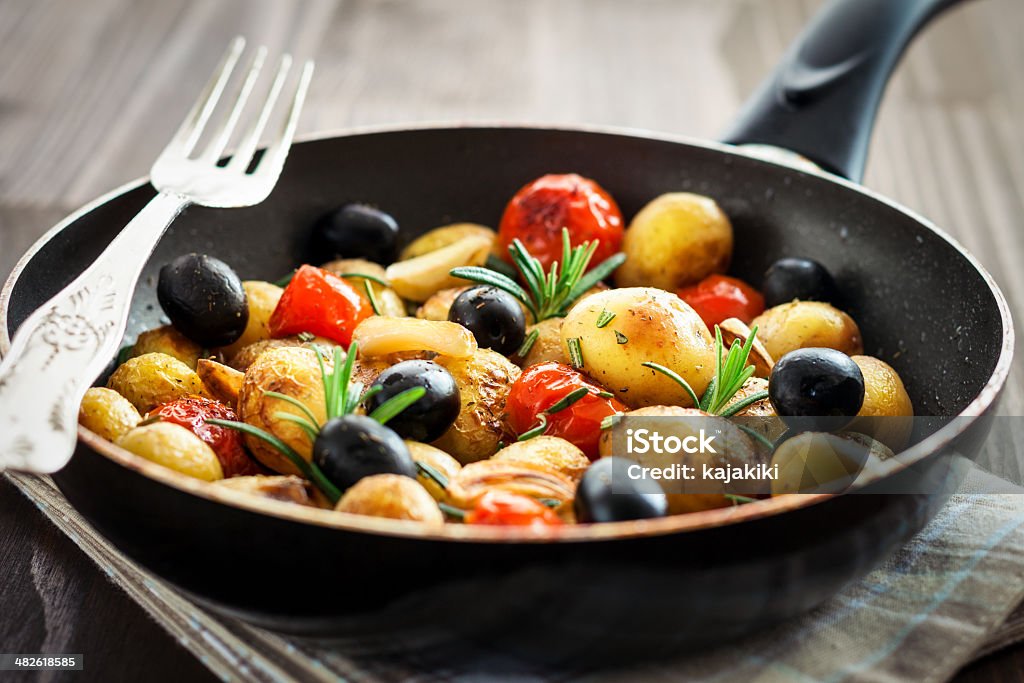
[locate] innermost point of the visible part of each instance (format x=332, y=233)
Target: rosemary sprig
x=432, y=473
x=536, y=431
x=567, y=400
x=286, y=280
x=575, y=345
x=551, y=294
x=604, y=318
x=372, y=297
x=528, y=343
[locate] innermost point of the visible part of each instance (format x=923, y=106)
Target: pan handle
x=822, y=99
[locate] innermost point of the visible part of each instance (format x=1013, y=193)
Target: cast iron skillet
x=611, y=591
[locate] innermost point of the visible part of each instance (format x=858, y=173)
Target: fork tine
x=273, y=159
x=220, y=141
x=187, y=136
x=243, y=155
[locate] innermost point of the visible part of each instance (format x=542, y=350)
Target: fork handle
x=62, y=347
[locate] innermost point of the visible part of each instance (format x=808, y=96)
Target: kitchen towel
x=938, y=603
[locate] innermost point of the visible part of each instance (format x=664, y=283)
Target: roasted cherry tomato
x=539, y=211
x=543, y=385
x=320, y=303
x=718, y=297
x=192, y=413
x=501, y=508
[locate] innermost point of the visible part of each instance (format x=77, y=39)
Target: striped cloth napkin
x=940, y=602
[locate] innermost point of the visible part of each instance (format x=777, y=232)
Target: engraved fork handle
x=62, y=347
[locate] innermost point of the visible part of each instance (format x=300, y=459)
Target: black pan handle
x=822, y=99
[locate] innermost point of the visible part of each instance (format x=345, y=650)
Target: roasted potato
x=523, y=478
x=221, y=381
x=550, y=451
x=262, y=298
x=677, y=239
x=887, y=413
x=442, y=463
x=444, y=236
x=154, y=378
x=388, y=301
x=167, y=339
x=649, y=325
x=807, y=324
x=484, y=380
x=247, y=354
x=547, y=346
x=818, y=462
x=291, y=371
x=436, y=307
x=392, y=496
x=418, y=278
x=174, y=447
x=287, y=489
x=107, y=413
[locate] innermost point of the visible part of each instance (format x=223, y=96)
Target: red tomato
x=539, y=211
x=541, y=386
x=501, y=508
x=320, y=303
x=718, y=297
x=192, y=413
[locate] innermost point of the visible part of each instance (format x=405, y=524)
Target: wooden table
x=90, y=91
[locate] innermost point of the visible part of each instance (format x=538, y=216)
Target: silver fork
x=64, y=345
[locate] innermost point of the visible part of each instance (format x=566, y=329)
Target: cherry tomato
x=541, y=386
x=539, y=211
x=192, y=413
x=320, y=303
x=718, y=297
x=501, y=508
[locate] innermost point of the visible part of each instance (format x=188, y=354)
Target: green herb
x=396, y=404
x=373, y=278
x=605, y=317
x=306, y=337
x=528, y=343
x=452, y=511
x=757, y=436
x=606, y=394
x=551, y=294
x=610, y=421
x=576, y=352
x=286, y=280
x=550, y=502
x=432, y=473
x=675, y=377
x=620, y=338
x=536, y=431
x=568, y=400
x=372, y=297
x=497, y=264
x=152, y=419
x=739, y=500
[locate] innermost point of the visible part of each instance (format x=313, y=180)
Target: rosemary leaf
x=606, y=394
x=306, y=337
x=550, y=502
x=610, y=421
x=568, y=400
x=452, y=511
x=501, y=266
x=739, y=500
x=396, y=404
x=576, y=352
x=286, y=280
x=596, y=274
x=379, y=280
x=605, y=317
x=372, y=297
x=757, y=436
x=536, y=431
x=740, y=405
x=528, y=343
x=295, y=402
x=485, y=276
x=309, y=428
x=431, y=473
x=620, y=338
x=675, y=377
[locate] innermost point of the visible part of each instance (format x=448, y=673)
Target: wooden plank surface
x=90, y=91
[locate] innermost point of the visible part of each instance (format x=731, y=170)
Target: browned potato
x=291, y=371
x=175, y=448
x=807, y=324
x=484, y=380
x=155, y=378
x=442, y=463
x=442, y=237
x=393, y=496
x=262, y=298
x=548, y=345
x=523, y=478
x=550, y=451
x=168, y=340
x=887, y=411
x=222, y=382
x=388, y=301
x=247, y=354
x=436, y=307
x=287, y=489
x=678, y=239
x=107, y=413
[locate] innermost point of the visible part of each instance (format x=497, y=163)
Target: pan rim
x=571, y=533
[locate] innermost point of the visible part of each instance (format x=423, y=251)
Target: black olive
x=429, y=417
x=354, y=446
x=816, y=389
x=494, y=317
x=355, y=231
x=204, y=299
x=607, y=493
x=798, y=278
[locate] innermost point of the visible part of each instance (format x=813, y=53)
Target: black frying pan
x=609, y=591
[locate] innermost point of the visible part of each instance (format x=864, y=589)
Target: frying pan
x=604, y=592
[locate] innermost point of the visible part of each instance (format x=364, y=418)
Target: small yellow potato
x=174, y=447
x=649, y=325
x=168, y=340
x=262, y=298
x=437, y=306
x=807, y=324
x=388, y=301
x=418, y=278
x=442, y=463
x=548, y=345
x=287, y=489
x=523, y=478
x=392, y=496
x=550, y=451
x=444, y=236
x=734, y=329
x=887, y=413
x=678, y=239
x=152, y=379
x=107, y=413
x=247, y=354
x=381, y=336
x=221, y=381
x=484, y=380
x=291, y=371
x=818, y=462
